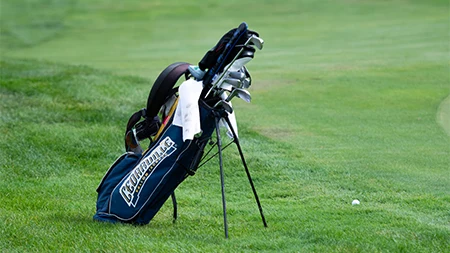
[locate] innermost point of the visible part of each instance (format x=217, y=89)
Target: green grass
x=350, y=101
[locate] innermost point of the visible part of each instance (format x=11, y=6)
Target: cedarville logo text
x=133, y=184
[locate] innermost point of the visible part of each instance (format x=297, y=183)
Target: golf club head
x=237, y=75
x=257, y=41
x=225, y=87
x=240, y=93
x=232, y=94
x=226, y=105
x=244, y=95
x=233, y=82
x=228, y=85
x=242, y=75
x=246, y=83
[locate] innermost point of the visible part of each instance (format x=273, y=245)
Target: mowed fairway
x=350, y=101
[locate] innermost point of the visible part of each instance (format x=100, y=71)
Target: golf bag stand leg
x=175, y=208
x=222, y=178
x=236, y=140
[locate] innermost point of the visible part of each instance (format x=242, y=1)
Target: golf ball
x=355, y=202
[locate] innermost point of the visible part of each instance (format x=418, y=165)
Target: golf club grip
x=221, y=59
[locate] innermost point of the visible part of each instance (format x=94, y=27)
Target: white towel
x=187, y=114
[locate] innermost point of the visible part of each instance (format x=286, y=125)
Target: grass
x=350, y=101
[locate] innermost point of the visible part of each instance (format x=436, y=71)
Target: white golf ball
x=355, y=202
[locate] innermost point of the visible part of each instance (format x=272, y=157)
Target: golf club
x=258, y=42
x=237, y=75
x=240, y=93
x=233, y=82
x=227, y=85
x=226, y=105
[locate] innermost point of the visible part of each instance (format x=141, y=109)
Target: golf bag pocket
x=113, y=176
x=134, y=184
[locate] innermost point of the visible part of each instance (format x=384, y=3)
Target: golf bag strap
x=164, y=86
x=130, y=141
x=142, y=129
x=135, y=119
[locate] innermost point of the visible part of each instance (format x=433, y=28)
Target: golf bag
x=137, y=185
x=139, y=182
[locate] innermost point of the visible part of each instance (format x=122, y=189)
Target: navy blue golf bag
x=136, y=186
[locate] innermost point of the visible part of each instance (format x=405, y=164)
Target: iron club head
x=257, y=41
x=246, y=83
x=237, y=75
x=233, y=82
x=240, y=93
x=226, y=105
x=244, y=95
